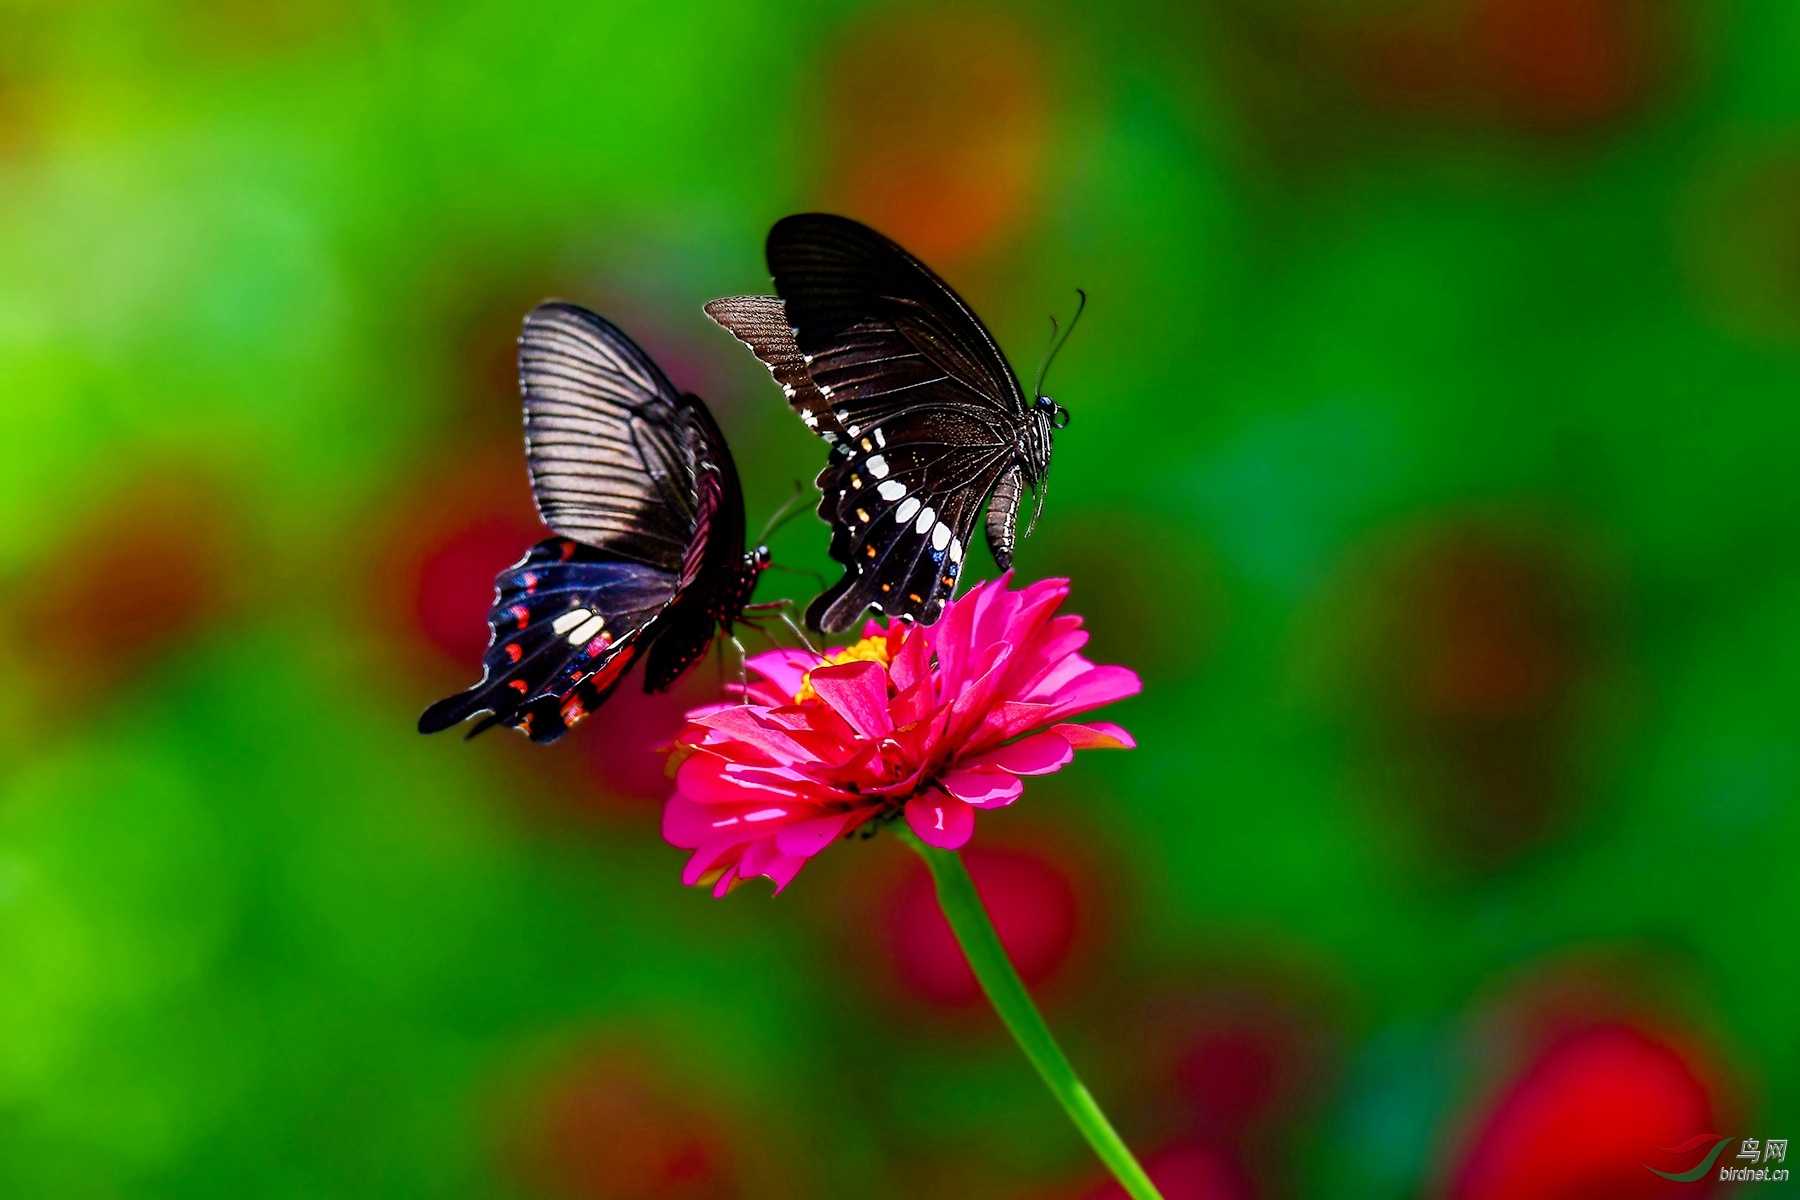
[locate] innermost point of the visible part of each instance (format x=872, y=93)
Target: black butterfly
x=925, y=418
x=637, y=482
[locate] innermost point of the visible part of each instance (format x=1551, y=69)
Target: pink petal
x=689, y=824
x=782, y=870
x=1102, y=685
x=708, y=856
x=743, y=724
x=725, y=881
x=913, y=661
x=763, y=858
x=857, y=692
x=981, y=788
x=783, y=668
x=1039, y=754
x=1095, y=735
x=940, y=820
x=806, y=838
x=712, y=780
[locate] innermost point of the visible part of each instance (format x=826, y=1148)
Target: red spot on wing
x=531, y=581
x=598, y=646
x=523, y=614
x=568, y=550
x=514, y=651
x=520, y=686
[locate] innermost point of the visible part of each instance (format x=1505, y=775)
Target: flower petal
x=983, y=788
x=940, y=820
x=806, y=838
x=783, y=668
x=712, y=780
x=857, y=692
x=1102, y=685
x=1095, y=735
x=1038, y=754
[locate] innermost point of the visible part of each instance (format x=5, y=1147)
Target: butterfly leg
x=743, y=667
x=783, y=609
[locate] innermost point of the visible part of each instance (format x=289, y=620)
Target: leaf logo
x=1705, y=1164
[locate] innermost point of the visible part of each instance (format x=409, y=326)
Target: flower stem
x=1006, y=991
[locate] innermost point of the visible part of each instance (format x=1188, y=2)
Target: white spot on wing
x=588, y=631
x=940, y=536
x=925, y=519
x=904, y=513
x=955, y=549
x=879, y=440
x=877, y=465
x=569, y=620
x=893, y=489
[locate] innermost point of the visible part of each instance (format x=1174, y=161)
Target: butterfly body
x=926, y=421
x=636, y=481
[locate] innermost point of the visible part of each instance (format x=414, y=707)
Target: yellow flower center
x=870, y=649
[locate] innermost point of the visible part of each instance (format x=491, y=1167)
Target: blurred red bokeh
x=1188, y=1170
x=1034, y=905
x=471, y=518
x=936, y=128
x=134, y=577
x=610, y=1127
x=1586, y=1118
x=1480, y=647
x=1548, y=65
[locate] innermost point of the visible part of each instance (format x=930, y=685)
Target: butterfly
x=648, y=561
x=926, y=421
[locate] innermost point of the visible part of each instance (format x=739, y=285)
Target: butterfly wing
x=567, y=623
x=885, y=362
x=636, y=479
x=715, y=582
x=610, y=467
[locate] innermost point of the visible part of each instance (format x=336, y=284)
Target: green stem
x=1006, y=991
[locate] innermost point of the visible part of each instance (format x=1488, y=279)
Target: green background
x=1433, y=459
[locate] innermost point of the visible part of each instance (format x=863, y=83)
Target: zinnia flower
x=932, y=722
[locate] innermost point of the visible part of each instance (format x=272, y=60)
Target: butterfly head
x=1059, y=416
x=756, y=561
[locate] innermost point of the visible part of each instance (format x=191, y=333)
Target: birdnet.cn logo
x=1749, y=1165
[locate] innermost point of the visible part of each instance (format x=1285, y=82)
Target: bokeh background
x=1434, y=459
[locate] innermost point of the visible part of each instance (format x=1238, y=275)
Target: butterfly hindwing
x=567, y=623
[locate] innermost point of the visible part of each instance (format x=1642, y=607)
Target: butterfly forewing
x=885, y=362
x=603, y=438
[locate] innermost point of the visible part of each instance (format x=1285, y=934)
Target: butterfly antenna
x=1056, y=343
x=787, y=512
x=1037, y=380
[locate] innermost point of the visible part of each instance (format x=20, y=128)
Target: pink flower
x=930, y=721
